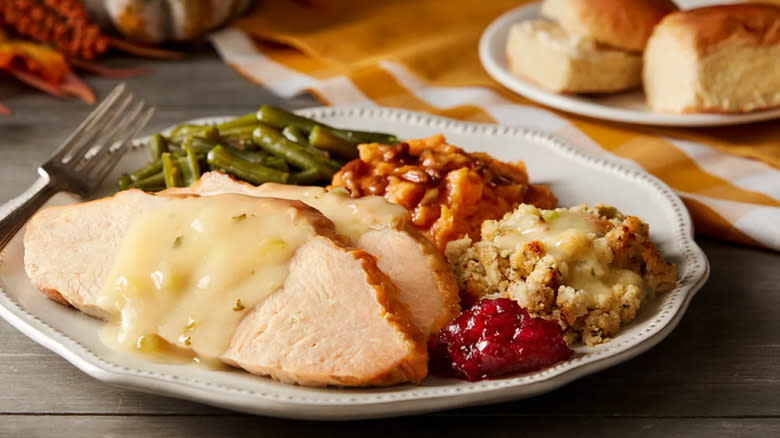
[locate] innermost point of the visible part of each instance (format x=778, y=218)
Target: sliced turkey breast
x=69, y=250
x=416, y=266
x=335, y=319
x=336, y=322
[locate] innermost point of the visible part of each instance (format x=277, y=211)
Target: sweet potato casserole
x=448, y=191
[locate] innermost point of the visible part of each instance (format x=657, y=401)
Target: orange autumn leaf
x=40, y=60
x=41, y=67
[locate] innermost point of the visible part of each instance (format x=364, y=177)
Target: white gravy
x=570, y=237
x=352, y=216
x=188, y=272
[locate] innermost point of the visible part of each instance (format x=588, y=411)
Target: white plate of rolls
x=641, y=61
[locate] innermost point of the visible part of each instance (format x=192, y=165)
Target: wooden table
x=717, y=374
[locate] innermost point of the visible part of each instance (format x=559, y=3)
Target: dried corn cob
x=65, y=25
x=62, y=23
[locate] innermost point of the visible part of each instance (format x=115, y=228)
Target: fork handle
x=16, y=212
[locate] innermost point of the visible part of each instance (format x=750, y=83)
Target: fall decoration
x=42, y=40
x=65, y=25
x=62, y=23
x=41, y=67
x=157, y=21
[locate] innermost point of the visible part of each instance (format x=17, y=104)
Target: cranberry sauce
x=495, y=338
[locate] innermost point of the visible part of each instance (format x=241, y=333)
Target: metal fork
x=81, y=163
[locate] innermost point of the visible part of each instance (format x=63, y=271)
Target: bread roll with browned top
x=715, y=59
x=542, y=52
x=624, y=24
x=590, y=46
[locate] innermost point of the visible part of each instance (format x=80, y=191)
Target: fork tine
x=102, y=169
x=98, y=135
x=108, y=142
x=91, y=118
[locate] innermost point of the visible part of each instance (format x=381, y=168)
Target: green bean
x=299, y=136
x=184, y=130
x=221, y=159
x=243, y=144
x=200, y=145
x=246, y=119
x=171, y=171
x=125, y=182
x=279, y=118
x=187, y=174
x=251, y=156
x=240, y=137
x=260, y=157
x=181, y=132
x=305, y=177
x=357, y=137
x=324, y=138
x=153, y=183
x=239, y=131
x=190, y=166
x=299, y=156
x=156, y=166
x=250, y=147
x=249, y=144
x=276, y=163
x=211, y=132
x=146, y=170
x=295, y=134
x=157, y=145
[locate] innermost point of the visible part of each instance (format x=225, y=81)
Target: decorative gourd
x=157, y=21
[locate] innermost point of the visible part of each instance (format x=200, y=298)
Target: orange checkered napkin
x=422, y=55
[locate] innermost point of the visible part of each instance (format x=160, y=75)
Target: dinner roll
x=541, y=51
x=715, y=59
x=625, y=24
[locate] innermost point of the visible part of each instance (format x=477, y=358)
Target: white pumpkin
x=157, y=21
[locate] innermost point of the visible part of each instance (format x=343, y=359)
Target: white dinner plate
x=628, y=106
x=572, y=175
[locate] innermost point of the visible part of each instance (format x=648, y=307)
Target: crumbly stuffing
x=589, y=268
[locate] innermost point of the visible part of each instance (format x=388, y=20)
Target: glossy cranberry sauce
x=495, y=338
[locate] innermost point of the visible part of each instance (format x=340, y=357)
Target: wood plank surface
x=455, y=426
x=717, y=374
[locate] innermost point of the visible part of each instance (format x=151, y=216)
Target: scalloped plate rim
x=389, y=402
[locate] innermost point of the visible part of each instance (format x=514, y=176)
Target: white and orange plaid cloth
x=422, y=55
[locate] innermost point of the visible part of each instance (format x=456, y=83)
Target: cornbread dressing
x=588, y=268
